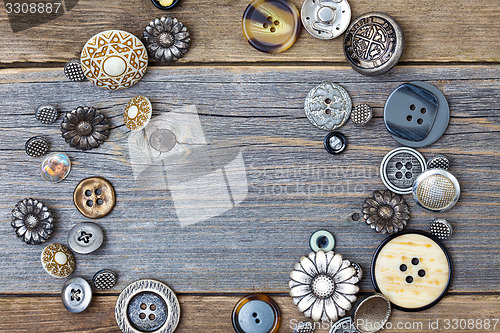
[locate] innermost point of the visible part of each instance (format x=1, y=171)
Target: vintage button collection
x=410, y=269
x=271, y=25
x=256, y=313
x=76, y=294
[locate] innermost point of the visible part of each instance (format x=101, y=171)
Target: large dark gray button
x=256, y=313
x=416, y=114
x=76, y=294
x=85, y=238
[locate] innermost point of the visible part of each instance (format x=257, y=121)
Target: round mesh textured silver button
x=439, y=162
x=436, y=190
x=304, y=327
x=441, y=229
x=104, y=279
x=361, y=114
x=344, y=325
x=328, y=106
x=76, y=294
x=147, y=306
x=85, y=238
x=326, y=19
x=46, y=114
x=73, y=71
x=36, y=146
x=400, y=168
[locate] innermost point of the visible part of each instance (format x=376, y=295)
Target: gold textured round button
x=114, y=59
x=58, y=261
x=271, y=26
x=412, y=269
x=137, y=113
x=94, y=197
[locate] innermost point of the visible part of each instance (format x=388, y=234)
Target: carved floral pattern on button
x=85, y=128
x=167, y=39
x=137, y=113
x=57, y=260
x=114, y=59
x=32, y=221
x=386, y=212
x=323, y=285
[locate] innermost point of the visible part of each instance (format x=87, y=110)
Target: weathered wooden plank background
x=253, y=103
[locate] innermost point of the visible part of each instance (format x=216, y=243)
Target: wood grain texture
x=294, y=186
x=446, y=31
x=37, y=314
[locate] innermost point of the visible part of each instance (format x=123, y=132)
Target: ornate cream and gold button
x=137, y=113
x=58, y=261
x=412, y=269
x=94, y=197
x=114, y=59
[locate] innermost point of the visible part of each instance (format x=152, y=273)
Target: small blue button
x=256, y=313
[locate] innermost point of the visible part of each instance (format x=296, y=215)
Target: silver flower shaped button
x=114, y=59
x=32, y=221
x=323, y=285
x=167, y=39
x=328, y=106
x=326, y=19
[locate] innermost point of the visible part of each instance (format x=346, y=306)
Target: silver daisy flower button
x=324, y=286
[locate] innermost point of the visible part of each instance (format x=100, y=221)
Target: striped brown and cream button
x=271, y=26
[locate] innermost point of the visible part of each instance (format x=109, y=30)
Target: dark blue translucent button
x=256, y=313
x=416, y=114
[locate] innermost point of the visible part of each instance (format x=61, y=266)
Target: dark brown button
x=94, y=197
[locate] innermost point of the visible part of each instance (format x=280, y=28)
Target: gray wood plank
x=294, y=186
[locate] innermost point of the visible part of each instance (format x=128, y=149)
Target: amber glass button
x=271, y=25
x=256, y=313
x=94, y=197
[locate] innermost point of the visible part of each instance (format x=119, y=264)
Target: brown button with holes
x=94, y=197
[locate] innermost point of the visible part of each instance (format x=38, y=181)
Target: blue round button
x=256, y=313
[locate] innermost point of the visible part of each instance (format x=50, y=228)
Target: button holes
x=152, y=317
x=399, y=175
x=409, y=118
x=255, y=314
x=99, y=201
x=399, y=165
x=328, y=101
x=143, y=306
x=403, y=268
x=413, y=107
x=257, y=321
x=98, y=191
x=270, y=18
x=273, y=29
x=408, y=165
x=142, y=316
x=408, y=175
x=276, y=22
x=338, y=28
x=328, y=111
x=88, y=193
x=308, y=18
x=152, y=307
x=265, y=25
x=423, y=110
x=409, y=279
x=90, y=203
x=421, y=273
x=415, y=261
x=420, y=121
x=322, y=242
x=343, y=11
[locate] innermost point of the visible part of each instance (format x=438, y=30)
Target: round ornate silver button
x=400, y=168
x=37, y=146
x=436, y=190
x=76, y=294
x=147, y=306
x=441, y=229
x=439, y=161
x=326, y=19
x=373, y=43
x=104, y=279
x=85, y=238
x=361, y=114
x=46, y=114
x=328, y=106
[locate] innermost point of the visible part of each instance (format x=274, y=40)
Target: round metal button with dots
x=94, y=197
x=73, y=71
x=57, y=260
x=76, y=294
x=322, y=240
x=304, y=327
x=104, y=279
x=344, y=325
x=46, y=114
x=326, y=19
x=147, y=306
x=36, y=146
x=257, y=313
x=371, y=313
x=400, y=168
x=85, y=238
x=361, y=114
x=412, y=269
x=328, y=106
x=439, y=161
x=441, y=229
x=335, y=143
x=436, y=190
x=373, y=43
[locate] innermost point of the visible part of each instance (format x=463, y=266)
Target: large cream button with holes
x=412, y=269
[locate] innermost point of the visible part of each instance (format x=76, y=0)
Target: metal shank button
x=326, y=19
x=76, y=294
x=94, y=197
x=85, y=238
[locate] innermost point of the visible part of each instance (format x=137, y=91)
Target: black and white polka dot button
x=37, y=146
x=256, y=313
x=46, y=114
